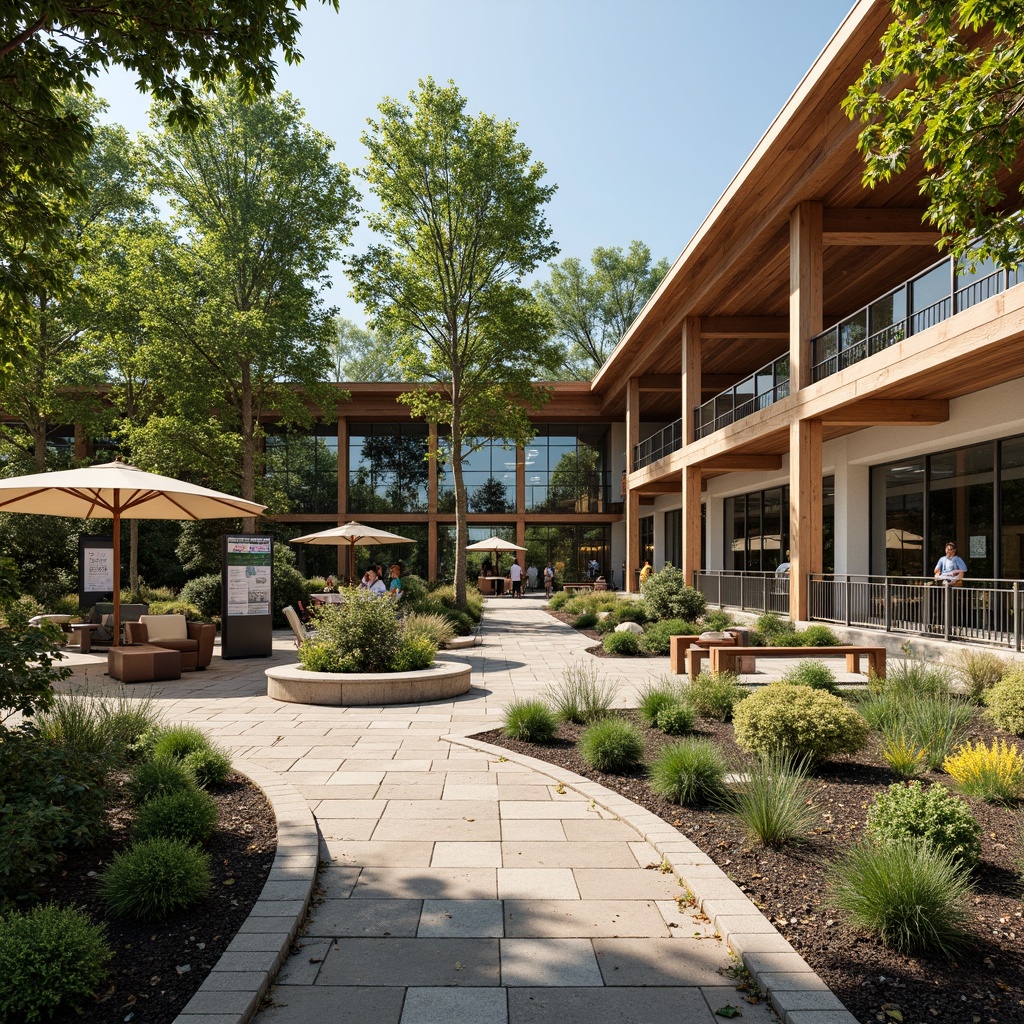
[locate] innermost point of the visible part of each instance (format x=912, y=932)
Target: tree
x=50, y=50
x=461, y=215
x=260, y=210
x=949, y=90
x=361, y=355
x=491, y=496
x=592, y=310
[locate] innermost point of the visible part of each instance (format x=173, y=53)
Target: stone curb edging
x=795, y=992
x=232, y=992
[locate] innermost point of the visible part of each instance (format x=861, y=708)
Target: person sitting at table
x=395, y=583
x=331, y=586
x=375, y=585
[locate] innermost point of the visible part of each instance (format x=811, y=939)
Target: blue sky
x=642, y=112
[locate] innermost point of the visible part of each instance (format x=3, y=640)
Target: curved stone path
x=465, y=886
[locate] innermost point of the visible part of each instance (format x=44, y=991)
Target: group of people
x=373, y=581
x=517, y=574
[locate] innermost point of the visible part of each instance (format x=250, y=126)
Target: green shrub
x=289, y=585
x=908, y=894
x=690, y=772
x=189, y=815
x=716, y=622
x=633, y=611
x=774, y=800
x=776, y=631
x=50, y=958
x=621, y=643
x=902, y=754
x=608, y=623
x=1006, y=701
x=668, y=597
x=612, y=745
x=979, y=670
x=438, y=629
x=210, y=767
x=151, y=880
x=73, y=721
x=414, y=590
x=913, y=677
x=559, y=601
x=715, y=696
x=204, y=593
x=29, y=658
x=676, y=719
x=994, y=774
x=933, y=815
x=415, y=654
x=445, y=595
x=798, y=721
x=939, y=724
x=176, y=741
x=159, y=776
x=531, y=721
x=125, y=719
x=654, y=698
x=817, y=636
x=190, y=611
x=583, y=696
x=363, y=631
x=586, y=620
x=657, y=637
x=815, y=674
x=317, y=655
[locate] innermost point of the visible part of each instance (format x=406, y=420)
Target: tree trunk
x=248, y=448
x=461, y=511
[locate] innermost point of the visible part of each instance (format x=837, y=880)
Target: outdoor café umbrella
x=354, y=535
x=494, y=544
x=117, y=491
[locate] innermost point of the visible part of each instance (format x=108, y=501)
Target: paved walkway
x=462, y=886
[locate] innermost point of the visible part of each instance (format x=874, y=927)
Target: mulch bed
x=158, y=967
x=984, y=985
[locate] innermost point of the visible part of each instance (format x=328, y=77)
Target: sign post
x=246, y=586
x=95, y=570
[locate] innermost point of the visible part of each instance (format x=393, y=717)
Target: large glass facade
x=973, y=496
x=566, y=469
x=304, y=468
x=388, y=468
x=475, y=559
x=489, y=474
x=570, y=549
x=674, y=538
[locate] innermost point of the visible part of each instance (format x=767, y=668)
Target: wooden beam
x=752, y=327
x=896, y=413
x=659, y=487
x=691, y=549
x=692, y=384
x=806, y=286
x=738, y=462
x=632, y=419
x=805, y=516
x=876, y=227
x=654, y=382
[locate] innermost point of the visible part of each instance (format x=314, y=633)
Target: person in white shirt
x=374, y=584
x=531, y=576
x=516, y=575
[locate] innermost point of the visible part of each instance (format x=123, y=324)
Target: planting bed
x=983, y=985
x=158, y=967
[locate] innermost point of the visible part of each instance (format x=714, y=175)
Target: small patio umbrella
x=115, y=490
x=494, y=544
x=354, y=535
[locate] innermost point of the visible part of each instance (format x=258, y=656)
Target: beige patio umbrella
x=494, y=544
x=115, y=490
x=354, y=535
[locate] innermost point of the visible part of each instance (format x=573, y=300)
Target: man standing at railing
x=950, y=568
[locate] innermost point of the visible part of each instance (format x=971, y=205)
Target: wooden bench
x=677, y=648
x=723, y=659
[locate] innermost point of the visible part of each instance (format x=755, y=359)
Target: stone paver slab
x=426, y=883
x=548, y=963
x=468, y=810
x=608, y=1006
x=382, y=917
x=537, y=883
x=437, y=829
x=445, y=1005
x=533, y=830
x=385, y=855
x=662, y=961
x=626, y=884
x=583, y=918
x=464, y=855
x=599, y=830
x=461, y=919
x=336, y=1004
x=567, y=855
x=412, y=962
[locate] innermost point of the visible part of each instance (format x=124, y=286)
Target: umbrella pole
x=116, y=642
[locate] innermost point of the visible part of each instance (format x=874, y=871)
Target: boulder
x=629, y=627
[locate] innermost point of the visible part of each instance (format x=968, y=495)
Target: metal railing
x=879, y=324
x=748, y=591
x=761, y=389
x=667, y=440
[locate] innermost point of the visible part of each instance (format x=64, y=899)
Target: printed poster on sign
x=98, y=564
x=248, y=575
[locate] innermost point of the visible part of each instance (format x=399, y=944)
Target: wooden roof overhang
x=734, y=273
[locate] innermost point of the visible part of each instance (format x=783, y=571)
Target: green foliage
x=159, y=776
x=902, y=754
x=473, y=605
x=204, y=593
x=668, y=597
x=799, y=722
x=817, y=636
x=190, y=611
x=633, y=611
x=612, y=745
x=979, y=670
x=414, y=654
x=714, y=696
x=939, y=97
x=1006, y=701
x=99, y=727
x=125, y=719
x=621, y=643
x=559, y=601
x=933, y=816
x=436, y=628
x=290, y=587
x=320, y=656
x=210, y=767
x=690, y=772
x=774, y=800
x=29, y=658
x=815, y=674
x=716, y=621
x=531, y=721
x=777, y=632
x=908, y=894
x=176, y=741
x=52, y=798
x=655, y=697
x=189, y=815
x=414, y=588
x=152, y=879
x=656, y=638
x=913, y=677
x=676, y=719
x=362, y=634
x=583, y=696
x=586, y=620
x=608, y=623
x=50, y=958
x=994, y=774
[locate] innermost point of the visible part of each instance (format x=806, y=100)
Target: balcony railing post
x=846, y=599
x=764, y=593
x=1018, y=627
x=887, y=601
x=947, y=612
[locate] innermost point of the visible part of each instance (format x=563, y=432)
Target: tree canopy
x=950, y=88
x=461, y=217
x=592, y=309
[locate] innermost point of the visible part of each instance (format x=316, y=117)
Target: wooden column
x=632, y=499
x=344, y=569
x=691, y=377
x=432, y=502
x=805, y=289
x=693, y=557
x=521, y=499
x=805, y=540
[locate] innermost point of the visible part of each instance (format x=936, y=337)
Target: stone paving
x=459, y=885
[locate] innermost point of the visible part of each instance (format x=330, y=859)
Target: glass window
x=570, y=549
x=647, y=540
x=899, y=490
x=489, y=475
x=961, y=507
x=388, y=469
x=1011, y=508
x=303, y=469
x=566, y=469
x=674, y=538
x=930, y=297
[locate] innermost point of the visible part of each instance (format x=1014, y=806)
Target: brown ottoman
x=143, y=664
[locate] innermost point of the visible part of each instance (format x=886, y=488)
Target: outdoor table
x=497, y=584
x=326, y=598
x=85, y=631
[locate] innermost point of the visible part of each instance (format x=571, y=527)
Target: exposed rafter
x=737, y=462
x=876, y=227
x=902, y=413
x=753, y=327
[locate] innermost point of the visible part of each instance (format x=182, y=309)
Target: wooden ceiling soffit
x=752, y=327
x=655, y=382
x=737, y=462
x=889, y=412
x=661, y=487
x=876, y=227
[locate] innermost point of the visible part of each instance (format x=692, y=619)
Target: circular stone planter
x=294, y=684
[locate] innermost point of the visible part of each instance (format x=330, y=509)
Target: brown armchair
x=193, y=639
